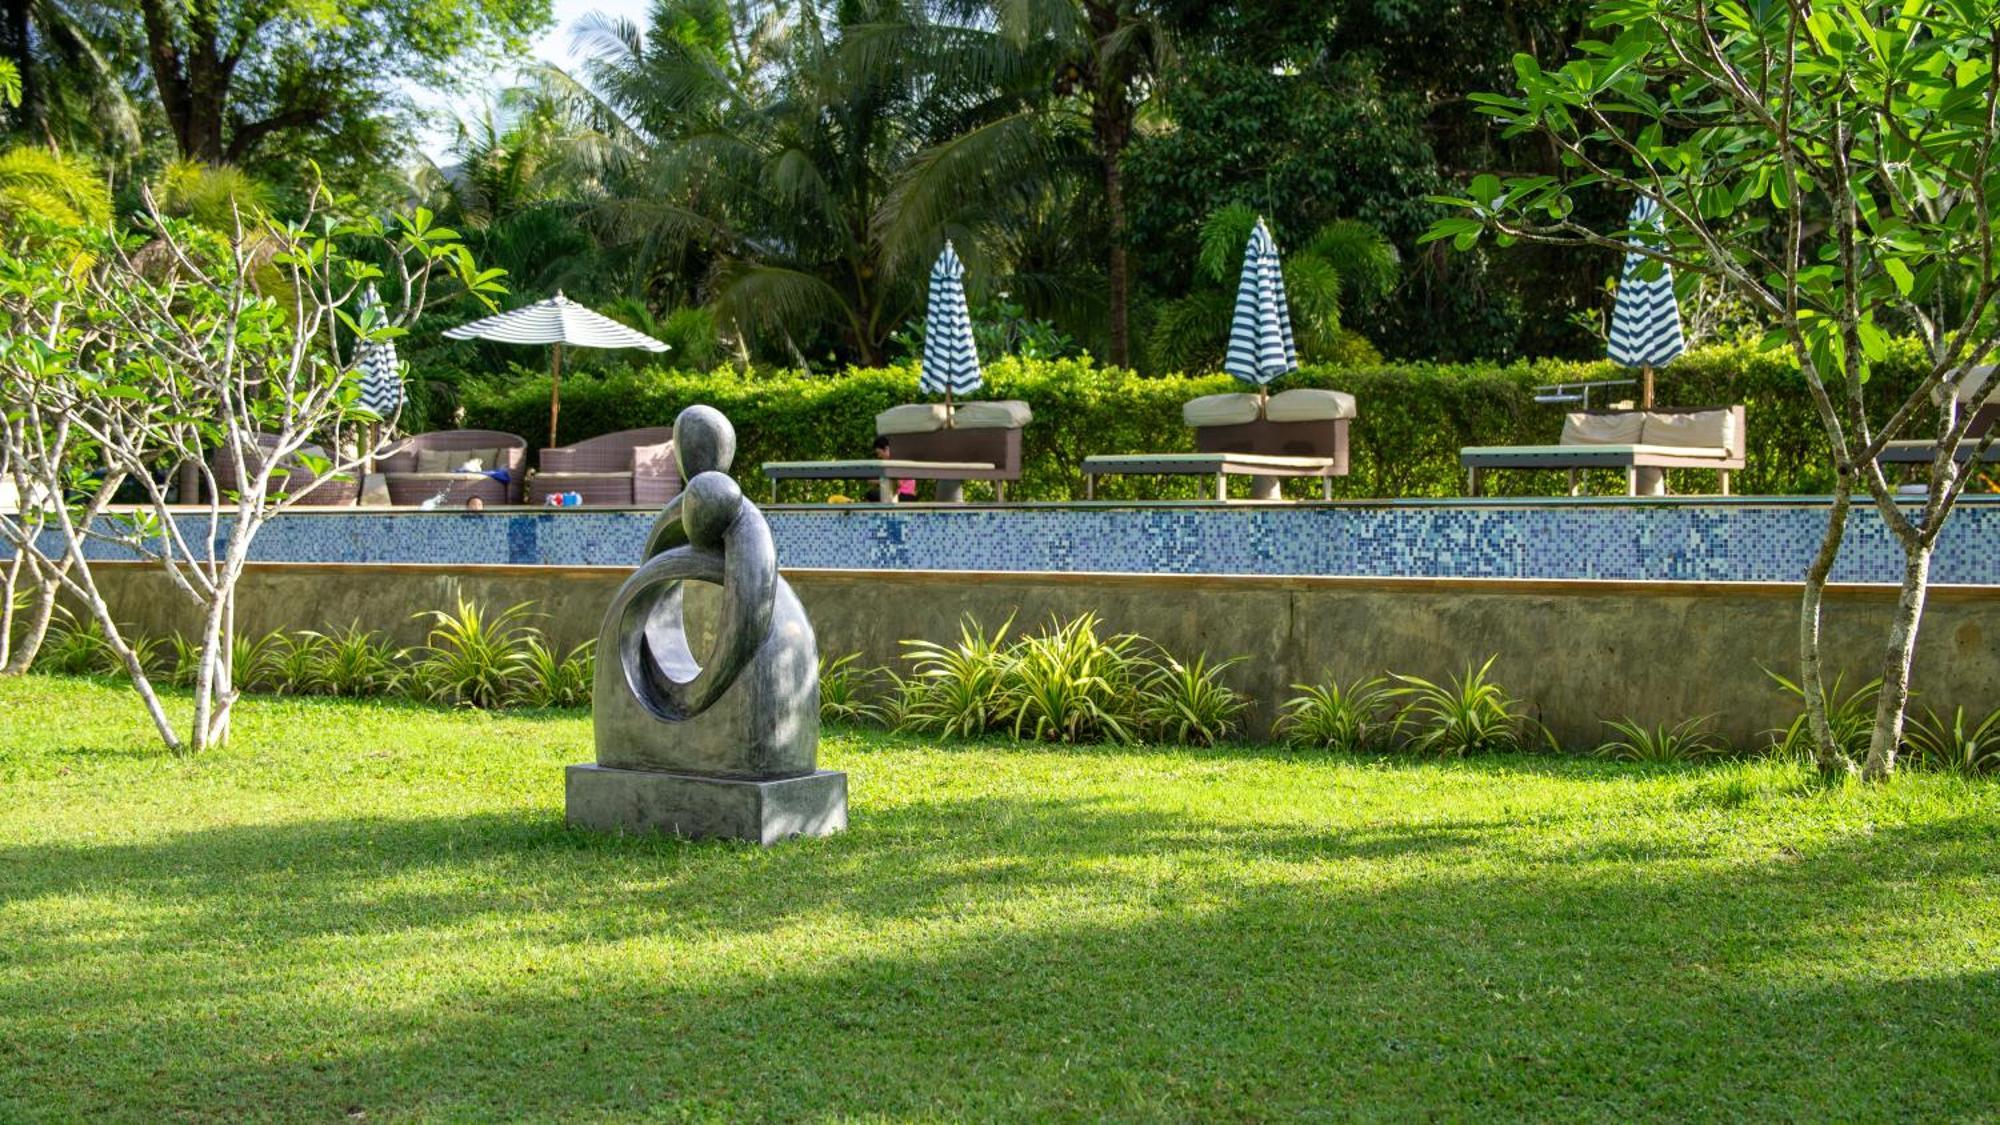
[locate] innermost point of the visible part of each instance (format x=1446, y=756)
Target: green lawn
x=376, y=910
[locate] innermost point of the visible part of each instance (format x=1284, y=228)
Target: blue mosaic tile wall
x=1692, y=540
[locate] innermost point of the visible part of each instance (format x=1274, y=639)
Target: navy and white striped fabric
x=557, y=320
x=381, y=372
x=1645, y=320
x=1260, y=337
x=951, y=361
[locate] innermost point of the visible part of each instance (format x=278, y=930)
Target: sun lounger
x=1299, y=433
x=1920, y=451
x=979, y=441
x=1642, y=443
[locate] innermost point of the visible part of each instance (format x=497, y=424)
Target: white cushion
x=1581, y=428
x=1007, y=414
x=1974, y=381
x=1707, y=428
x=1220, y=410
x=1309, y=404
x=913, y=418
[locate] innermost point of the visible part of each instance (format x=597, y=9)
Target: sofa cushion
x=1583, y=428
x=1220, y=410
x=456, y=460
x=653, y=460
x=1309, y=404
x=911, y=418
x=1711, y=429
x=1008, y=414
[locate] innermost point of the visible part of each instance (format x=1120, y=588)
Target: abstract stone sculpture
x=726, y=748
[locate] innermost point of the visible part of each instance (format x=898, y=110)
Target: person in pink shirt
x=905, y=489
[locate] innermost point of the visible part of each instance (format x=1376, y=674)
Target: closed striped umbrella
x=1645, y=320
x=381, y=371
x=1260, y=336
x=556, y=321
x=951, y=360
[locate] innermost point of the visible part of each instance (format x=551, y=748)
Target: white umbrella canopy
x=555, y=321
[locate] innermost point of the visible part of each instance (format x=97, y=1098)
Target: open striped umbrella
x=556, y=321
x=1260, y=336
x=951, y=360
x=381, y=371
x=1645, y=320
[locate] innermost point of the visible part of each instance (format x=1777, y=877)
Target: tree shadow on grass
x=988, y=957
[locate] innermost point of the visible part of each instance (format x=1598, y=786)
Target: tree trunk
x=1119, y=265
x=1827, y=754
x=42, y=610
x=193, y=84
x=1894, y=698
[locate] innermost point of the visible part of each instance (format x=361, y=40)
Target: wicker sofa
x=413, y=477
x=927, y=441
x=625, y=469
x=337, y=492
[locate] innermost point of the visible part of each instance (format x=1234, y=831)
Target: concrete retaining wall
x=1579, y=652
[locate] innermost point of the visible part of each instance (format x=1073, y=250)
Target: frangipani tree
x=1831, y=164
x=114, y=370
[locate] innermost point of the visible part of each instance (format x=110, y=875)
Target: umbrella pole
x=1646, y=387
x=950, y=412
x=555, y=393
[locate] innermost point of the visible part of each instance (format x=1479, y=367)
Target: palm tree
x=1346, y=263
x=1065, y=83
x=774, y=134
x=56, y=186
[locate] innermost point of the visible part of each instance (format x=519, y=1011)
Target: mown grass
x=375, y=909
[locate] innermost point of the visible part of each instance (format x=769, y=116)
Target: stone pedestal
x=678, y=804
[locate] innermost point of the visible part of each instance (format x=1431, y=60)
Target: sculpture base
x=702, y=808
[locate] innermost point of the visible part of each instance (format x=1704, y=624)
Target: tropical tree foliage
x=1835, y=168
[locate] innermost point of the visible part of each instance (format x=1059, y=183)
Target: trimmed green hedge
x=1413, y=417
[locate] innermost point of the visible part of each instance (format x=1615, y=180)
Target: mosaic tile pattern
x=1693, y=540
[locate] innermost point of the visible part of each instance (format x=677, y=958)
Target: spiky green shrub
x=1188, y=703
x=356, y=662
x=1690, y=740
x=1851, y=718
x=290, y=663
x=1955, y=745
x=471, y=658
x=1331, y=716
x=1068, y=684
x=844, y=690
x=1469, y=714
x=77, y=646
x=545, y=678
x=959, y=689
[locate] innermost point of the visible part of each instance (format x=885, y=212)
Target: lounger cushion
x=653, y=460
x=1220, y=410
x=1974, y=381
x=1581, y=428
x=456, y=460
x=1009, y=414
x=913, y=418
x=1309, y=404
x=1709, y=429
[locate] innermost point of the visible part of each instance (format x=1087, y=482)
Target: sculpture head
x=709, y=505
x=704, y=442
